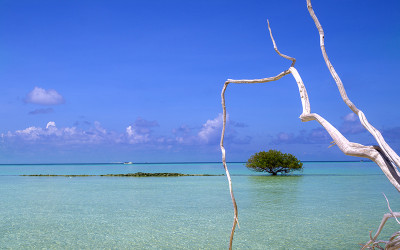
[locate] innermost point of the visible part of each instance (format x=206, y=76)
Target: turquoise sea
x=330, y=205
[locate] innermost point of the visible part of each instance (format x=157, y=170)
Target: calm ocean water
x=330, y=205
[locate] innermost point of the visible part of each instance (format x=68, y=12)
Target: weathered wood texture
x=383, y=155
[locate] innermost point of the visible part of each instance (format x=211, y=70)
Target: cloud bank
x=141, y=133
x=211, y=130
x=314, y=136
x=142, y=136
x=351, y=125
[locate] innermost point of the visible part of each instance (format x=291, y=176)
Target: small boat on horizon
x=128, y=162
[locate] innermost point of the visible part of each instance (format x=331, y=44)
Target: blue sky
x=110, y=81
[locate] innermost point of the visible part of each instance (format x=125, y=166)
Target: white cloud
x=50, y=124
x=211, y=129
x=60, y=136
x=351, y=125
x=44, y=97
x=31, y=133
x=135, y=136
x=141, y=131
x=38, y=133
x=350, y=117
x=210, y=133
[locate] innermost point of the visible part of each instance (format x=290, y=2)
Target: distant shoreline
x=138, y=174
x=152, y=163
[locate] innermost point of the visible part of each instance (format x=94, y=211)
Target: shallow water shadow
x=274, y=189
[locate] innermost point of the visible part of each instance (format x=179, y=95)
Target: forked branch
x=388, y=152
x=263, y=80
x=394, y=241
x=382, y=155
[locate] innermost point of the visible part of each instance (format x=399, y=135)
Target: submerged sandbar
x=138, y=174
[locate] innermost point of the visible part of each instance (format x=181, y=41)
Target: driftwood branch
x=372, y=242
x=391, y=212
x=276, y=48
x=382, y=155
x=263, y=80
x=394, y=241
x=235, y=216
x=393, y=160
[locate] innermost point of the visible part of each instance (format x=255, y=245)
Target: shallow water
x=330, y=205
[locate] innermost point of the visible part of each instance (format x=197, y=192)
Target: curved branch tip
x=276, y=48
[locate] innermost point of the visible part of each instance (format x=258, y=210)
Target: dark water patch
x=138, y=174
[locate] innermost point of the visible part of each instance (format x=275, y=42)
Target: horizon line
x=172, y=162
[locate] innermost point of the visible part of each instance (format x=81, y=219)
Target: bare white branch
x=276, y=48
x=389, y=154
x=235, y=216
x=387, y=201
x=384, y=219
x=382, y=155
